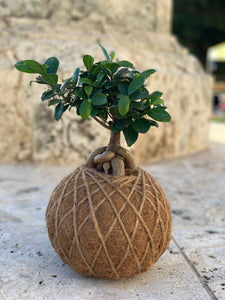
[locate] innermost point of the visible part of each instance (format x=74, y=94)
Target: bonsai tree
x=100, y=222
x=111, y=92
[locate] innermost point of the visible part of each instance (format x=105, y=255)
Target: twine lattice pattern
x=107, y=226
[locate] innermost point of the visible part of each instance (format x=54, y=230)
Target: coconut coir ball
x=109, y=226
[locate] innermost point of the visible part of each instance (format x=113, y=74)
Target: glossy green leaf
x=105, y=52
x=154, y=123
x=136, y=84
x=80, y=93
x=53, y=102
x=123, y=88
x=94, y=111
x=159, y=114
x=88, y=90
x=75, y=75
x=65, y=83
x=141, y=125
x=158, y=102
x=102, y=114
x=30, y=66
x=47, y=95
x=143, y=94
x=155, y=96
x=139, y=105
x=147, y=73
x=88, y=61
x=122, y=71
x=123, y=105
x=99, y=99
x=114, y=129
x=59, y=111
x=52, y=64
x=122, y=123
x=130, y=135
x=100, y=76
x=51, y=79
x=112, y=55
x=87, y=81
x=85, y=109
x=125, y=63
x=111, y=66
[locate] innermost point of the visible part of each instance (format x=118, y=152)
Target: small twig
x=102, y=123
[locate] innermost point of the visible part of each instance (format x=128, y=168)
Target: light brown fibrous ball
x=109, y=226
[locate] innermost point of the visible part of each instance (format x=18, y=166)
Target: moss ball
x=109, y=226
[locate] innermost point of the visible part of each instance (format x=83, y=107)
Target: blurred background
x=182, y=39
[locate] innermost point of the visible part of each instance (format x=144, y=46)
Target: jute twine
x=109, y=226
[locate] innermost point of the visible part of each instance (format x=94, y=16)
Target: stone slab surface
x=193, y=267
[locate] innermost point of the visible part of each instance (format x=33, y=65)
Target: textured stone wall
x=153, y=15
x=69, y=29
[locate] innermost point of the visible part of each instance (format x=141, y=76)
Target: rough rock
x=68, y=30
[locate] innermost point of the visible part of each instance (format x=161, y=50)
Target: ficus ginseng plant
x=112, y=92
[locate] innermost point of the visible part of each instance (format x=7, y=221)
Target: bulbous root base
x=112, y=160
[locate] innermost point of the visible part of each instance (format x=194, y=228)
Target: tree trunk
x=115, y=138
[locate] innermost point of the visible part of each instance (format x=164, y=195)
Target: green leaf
x=111, y=66
x=94, y=111
x=65, y=83
x=123, y=88
x=130, y=135
x=105, y=52
x=53, y=102
x=139, y=105
x=85, y=109
x=80, y=93
x=143, y=94
x=88, y=89
x=48, y=94
x=136, y=84
x=87, y=81
x=99, y=99
x=102, y=114
x=122, y=123
x=100, y=76
x=158, y=102
x=125, y=63
x=155, y=96
x=112, y=55
x=123, y=105
x=53, y=64
x=66, y=107
x=75, y=75
x=153, y=123
x=147, y=73
x=114, y=129
x=141, y=125
x=122, y=71
x=51, y=79
x=88, y=61
x=30, y=66
x=59, y=111
x=159, y=114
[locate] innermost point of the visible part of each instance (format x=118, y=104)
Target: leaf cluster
x=112, y=92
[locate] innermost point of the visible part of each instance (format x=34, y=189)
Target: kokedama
x=108, y=218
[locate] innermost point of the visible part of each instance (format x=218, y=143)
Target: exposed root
x=90, y=161
x=118, y=166
x=104, y=157
x=112, y=159
x=128, y=160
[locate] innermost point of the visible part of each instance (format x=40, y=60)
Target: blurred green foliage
x=199, y=24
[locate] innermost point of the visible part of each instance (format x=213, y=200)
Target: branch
x=102, y=123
